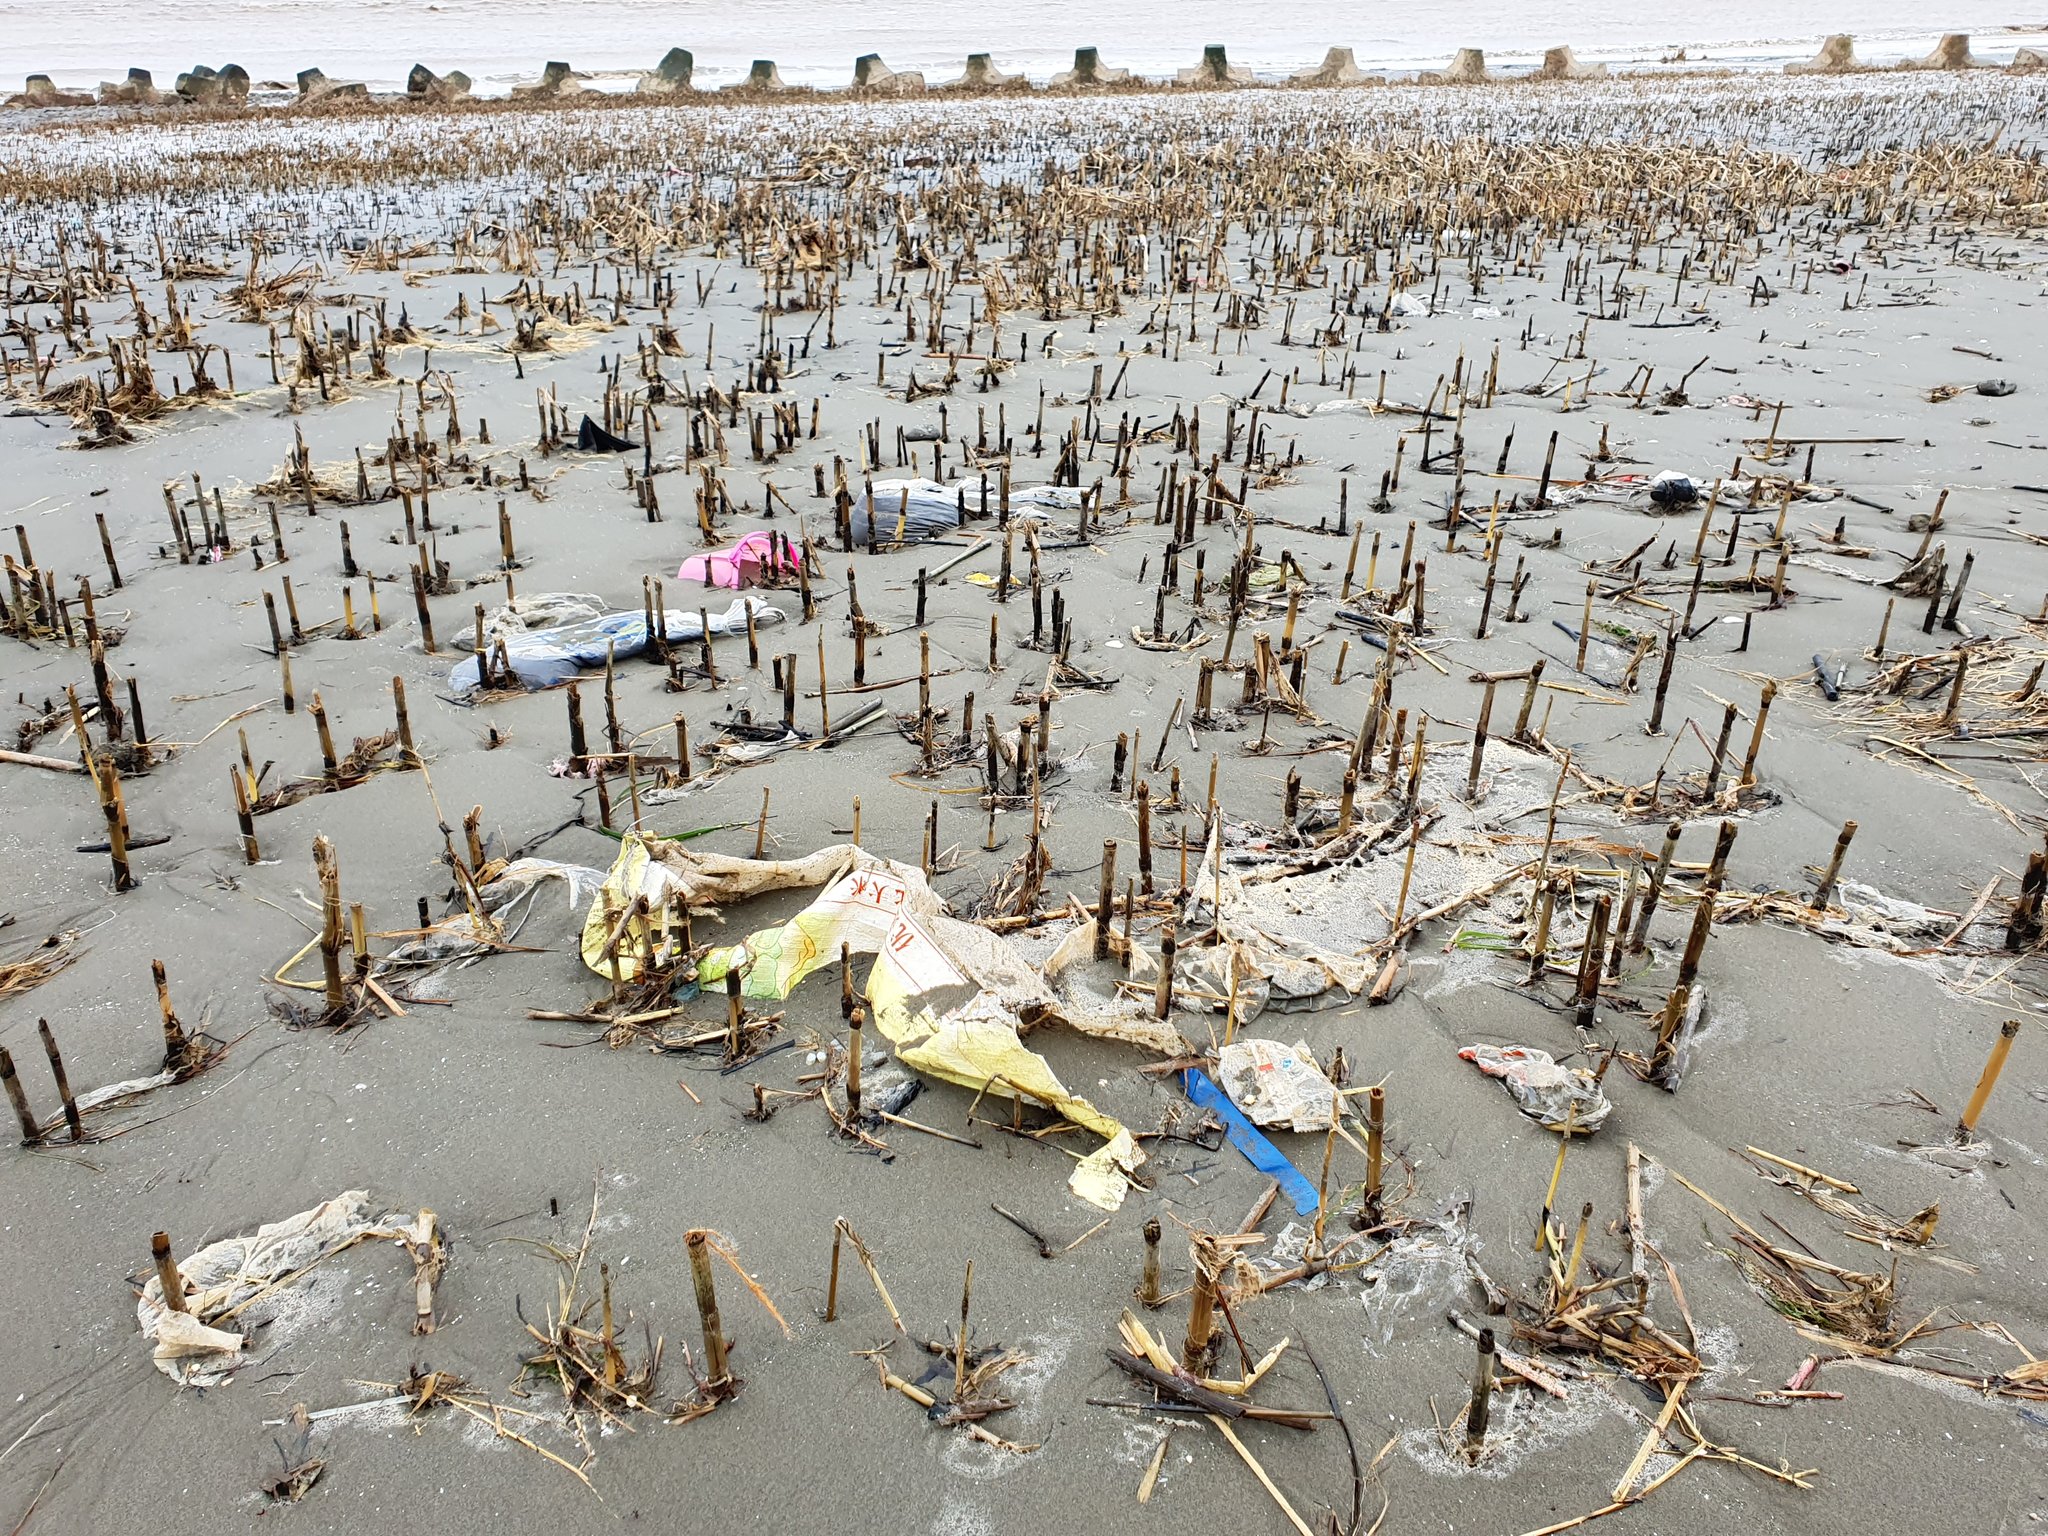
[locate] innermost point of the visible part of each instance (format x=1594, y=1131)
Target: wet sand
x=1810, y=1047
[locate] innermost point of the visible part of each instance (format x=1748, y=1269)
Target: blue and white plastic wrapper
x=929, y=509
x=542, y=658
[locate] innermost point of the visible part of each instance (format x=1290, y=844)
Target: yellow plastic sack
x=858, y=910
x=671, y=874
x=633, y=873
x=888, y=911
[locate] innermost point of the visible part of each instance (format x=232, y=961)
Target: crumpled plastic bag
x=948, y=995
x=522, y=876
x=1272, y=969
x=927, y=509
x=523, y=615
x=225, y=1276
x=542, y=658
x=1669, y=488
x=742, y=565
x=1544, y=1090
x=461, y=937
x=1277, y=1085
x=1113, y=1017
x=182, y=1337
x=1206, y=975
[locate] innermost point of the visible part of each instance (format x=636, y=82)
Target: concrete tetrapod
x=671, y=76
x=1089, y=70
x=1339, y=67
x=1214, y=69
x=982, y=75
x=1558, y=64
x=1837, y=56
x=1468, y=68
x=872, y=77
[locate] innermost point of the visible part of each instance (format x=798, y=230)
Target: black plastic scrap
x=591, y=438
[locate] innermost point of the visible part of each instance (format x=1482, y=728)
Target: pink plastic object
x=741, y=566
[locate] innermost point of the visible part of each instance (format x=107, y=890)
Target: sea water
x=501, y=42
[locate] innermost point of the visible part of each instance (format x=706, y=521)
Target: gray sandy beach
x=1338, y=399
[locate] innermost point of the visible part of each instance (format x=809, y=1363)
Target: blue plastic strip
x=1245, y=1136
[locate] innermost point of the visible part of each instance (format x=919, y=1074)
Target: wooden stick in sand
x=1375, y=1149
x=177, y=1048
x=17, y=1096
x=1479, y=744
x=718, y=1382
x=1656, y=725
x=1756, y=739
x=107, y=781
x=1105, y=898
x=1590, y=962
x=1539, y=937
x=328, y=869
x=1639, y=937
x=1479, y=1410
x=1149, y=1292
x=1966, y=1128
x=867, y=1261
x=1544, y=1233
x=33, y=760
x=63, y=1080
x=244, y=818
x=1703, y=912
x=1669, y=1023
x=579, y=742
x=854, y=1021
x=1198, y=1345
x=1316, y=1251
x=832, y=1283
x=1162, y=1000
x=330, y=765
x=419, y=600
x=1720, y=758
x=1145, y=837
x=1529, y=688
x=408, y=753
x=960, y=1342
x=168, y=1278
x=1825, y=891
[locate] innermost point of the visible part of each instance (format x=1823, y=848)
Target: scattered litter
x=1277, y=1085
x=924, y=509
x=1546, y=1092
x=756, y=560
x=591, y=438
x=950, y=995
x=1671, y=489
x=543, y=658
x=193, y=1344
x=524, y=615
x=1244, y=1136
